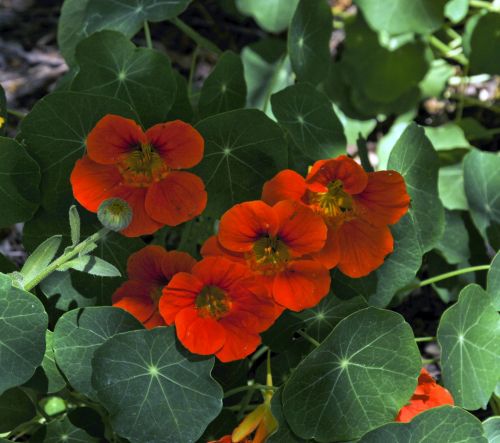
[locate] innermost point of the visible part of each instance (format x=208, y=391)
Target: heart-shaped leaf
x=368, y=364
x=15, y=408
x=469, y=336
x=111, y=65
x=483, y=41
x=493, y=287
x=271, y=15
x=77, y=335
x=153, y=390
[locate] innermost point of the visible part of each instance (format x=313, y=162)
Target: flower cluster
x=268, y=255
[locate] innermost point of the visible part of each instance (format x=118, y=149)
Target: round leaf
x=153, y=390
x=23, y=322
x=469, y=336
x=283, y=434
x=55, y=132
x=225, y=88
x=484, y=41
x=445, y=424
x=63, y=431
x=243, y=149
x=308, y=40
x=358, y=378
x=111, y=65
x=270, y=15
x=77, y=335
x=492, y=429
x=454, y=244
x=19, y=183
x=493, y=287
x=402, y=16
x=15, y=409
x=55, y=380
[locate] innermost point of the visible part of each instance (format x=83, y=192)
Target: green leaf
x=23, y=322
x=153, y=390
x=484, y=40
x=270, y=15
x=482, y=182
x=368, y=364
x=451, y=187
x=59, y=290
x=15, y=409
x=444, y=424
x=469, y=336
x=6, y=265
x=41, y=257
x=456, y=10
x=74, y=224
x=80, y=18
x=491, y=428
x=267, y=70
x=283, y=434
x=309, y=118
x=181, y=109
x=112, y=66
x=55, y=380
x=78, y=334
x=63, y=431
x=454, y=244
x=225, y=88
x=436, y=79
x=243, y=148
x=449, y=140
x=493, y=287
x=19, y=183
x=402, y=16
x=3, y=111
x=414, y=157
x=91, y=265
x=55, y=132
x=308, y=40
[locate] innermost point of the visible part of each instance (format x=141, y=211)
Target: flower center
x=212, y=302
x=270, y=255
x=335, y=204
x=155, y=294
x=142, y=166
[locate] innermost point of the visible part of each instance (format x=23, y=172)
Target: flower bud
x=114, y=214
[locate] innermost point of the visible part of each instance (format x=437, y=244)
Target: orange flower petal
x=112, y=137
x=343, y=168
x=239, y=343
x=93, y=183
x=245, y=223
x=384, y=200
x=179, y=197
x=146, y=265
x=363, y=247
x=329, y=256
x=200, y=335
x=154, y=321
x=180, y=293
x=178, y=143
x=133, y=297
x=212, y=247
x=302, y=285
x=286, y=185
x=302, y=230
x=176, y=261
x=142, y=223
x=221, y=272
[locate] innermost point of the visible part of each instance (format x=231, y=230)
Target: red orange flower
x=142, y=168
x=427, y=395
x=217, y=309
x=149, y=270
x=276, y=243
x=356, y=206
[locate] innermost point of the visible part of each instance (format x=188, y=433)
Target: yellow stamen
x=143, y=166
x=335, y=204
x=212, y=302
x=269, y=255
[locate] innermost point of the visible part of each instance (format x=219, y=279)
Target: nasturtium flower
x=142, y=168
x=276, y=244
x=427, y=395
x=149, y=270
x=356, y=206
x=217, y=308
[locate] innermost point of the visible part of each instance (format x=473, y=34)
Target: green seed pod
x=114, y=214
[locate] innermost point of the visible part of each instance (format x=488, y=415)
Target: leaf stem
x=239, y=389
x=272, y=83
x=195, y=36
x=147, y=33
x=424, y=339
x=192, y=70
x=18, y=114
x=446, y=51
x=67, y=256
x=482, y=4
x=363, y=153
x=304, y=334
x=445, y=276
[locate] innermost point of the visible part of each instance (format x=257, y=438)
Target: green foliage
x=271, y=15
x=469, y=336
x=153, y=390
x=483, y=43
x=15, y=408
x=492, y=429
x=3, y=111
x=494, y=281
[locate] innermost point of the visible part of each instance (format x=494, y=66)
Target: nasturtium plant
x=249, y=221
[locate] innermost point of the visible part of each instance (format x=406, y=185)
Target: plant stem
x=239, y=389
x=147, y=33
x=197, y=38
x=472, y=101
x=363, y=153
x=65, y=258
x=315, y=342
x=245, y=401
x=482, y=4
x=461, y=101
x=18, y=114
x=272, y=83
x=446, y=51
x=258, y=353
x=451, y=274
x=191, y=71
x=426, y=361
x=422, y=339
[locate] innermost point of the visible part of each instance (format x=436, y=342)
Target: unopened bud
x=114, y=214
